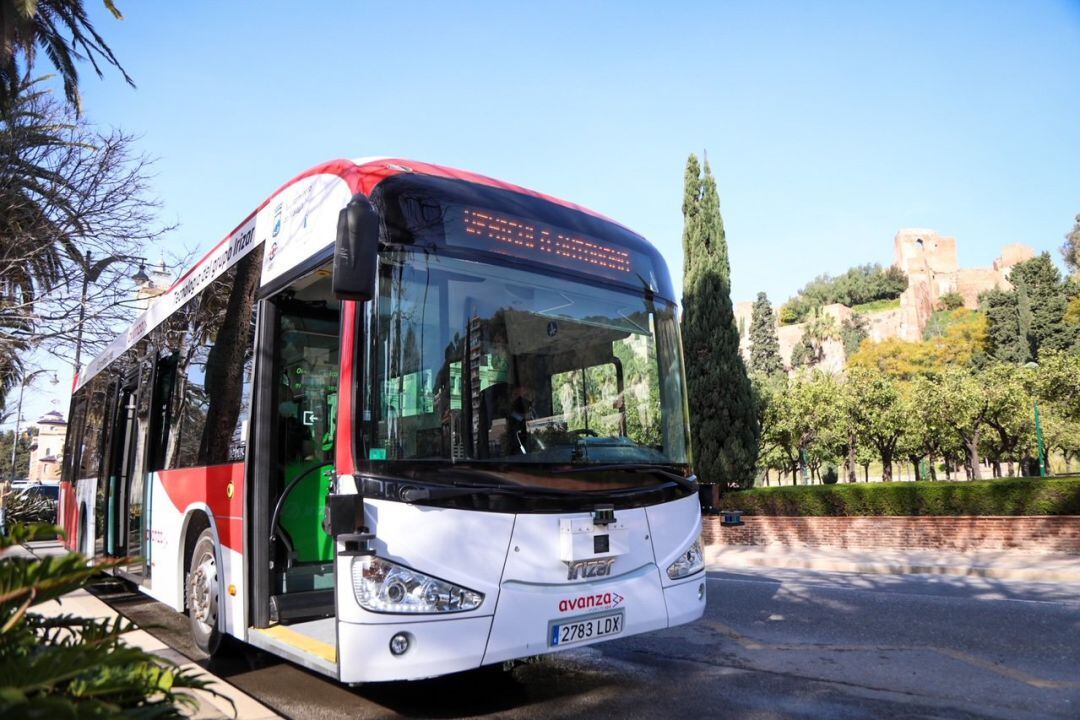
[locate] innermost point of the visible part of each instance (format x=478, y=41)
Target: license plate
x=584, y=628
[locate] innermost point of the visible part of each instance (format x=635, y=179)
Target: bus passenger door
x=119, y=470
x=297, y=401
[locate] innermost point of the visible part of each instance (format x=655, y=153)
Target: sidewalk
x=210, y=707
x=1000, y=565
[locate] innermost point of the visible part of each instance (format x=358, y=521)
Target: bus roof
x=359, y=175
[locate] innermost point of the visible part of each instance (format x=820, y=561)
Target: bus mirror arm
x=356, y=250
x=356, y=544
x=344, y=521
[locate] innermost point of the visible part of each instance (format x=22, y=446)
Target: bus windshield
x=481, y=363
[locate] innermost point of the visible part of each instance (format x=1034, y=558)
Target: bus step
x=296, y=606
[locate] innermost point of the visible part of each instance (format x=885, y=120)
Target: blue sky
x=829, y=126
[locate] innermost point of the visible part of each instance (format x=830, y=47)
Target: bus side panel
x=675, y=526
x=178, y=496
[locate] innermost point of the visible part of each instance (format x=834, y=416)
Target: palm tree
x=32, y=244
x=62, y=30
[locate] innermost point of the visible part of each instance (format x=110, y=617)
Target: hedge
x=1008, y=496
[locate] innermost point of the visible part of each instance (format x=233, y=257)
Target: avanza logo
x=599, y=601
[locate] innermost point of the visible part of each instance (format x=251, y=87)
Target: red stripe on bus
x=69, y=519
x=220, y=488
x=344, y=461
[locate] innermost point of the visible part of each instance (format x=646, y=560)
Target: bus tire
x=202, y=589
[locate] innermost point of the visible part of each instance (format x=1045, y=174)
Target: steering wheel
x=585, y=431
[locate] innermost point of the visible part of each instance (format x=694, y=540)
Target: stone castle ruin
x=930, y=262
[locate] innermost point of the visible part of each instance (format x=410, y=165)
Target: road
x=773, y=644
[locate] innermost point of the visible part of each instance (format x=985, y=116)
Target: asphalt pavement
x=780, y=643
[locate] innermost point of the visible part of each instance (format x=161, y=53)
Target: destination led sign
x=527, y=239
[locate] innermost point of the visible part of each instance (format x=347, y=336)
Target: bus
x=403, y=421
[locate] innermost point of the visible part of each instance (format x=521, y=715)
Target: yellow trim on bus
x=301, y=642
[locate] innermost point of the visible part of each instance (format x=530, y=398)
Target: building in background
x=930, y=262
x=157, y=281
x=47, y=450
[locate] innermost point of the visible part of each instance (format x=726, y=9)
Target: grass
x=877, y=306
x=1006, y=496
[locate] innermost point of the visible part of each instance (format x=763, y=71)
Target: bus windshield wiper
x=689, y=483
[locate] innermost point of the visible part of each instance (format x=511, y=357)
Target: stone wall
x=1029, y=533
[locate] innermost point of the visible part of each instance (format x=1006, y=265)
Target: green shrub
x=1009, y=496
x=71, y=667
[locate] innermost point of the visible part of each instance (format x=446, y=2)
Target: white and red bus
x=403, y=421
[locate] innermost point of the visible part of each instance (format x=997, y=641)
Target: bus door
x=120, y=469
x=297, y=409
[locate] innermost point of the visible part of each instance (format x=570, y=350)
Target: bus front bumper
x=521, y=627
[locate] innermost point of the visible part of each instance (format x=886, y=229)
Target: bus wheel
x=203, y=599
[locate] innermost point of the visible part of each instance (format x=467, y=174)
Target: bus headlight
x=688, y=563
x=384, y=586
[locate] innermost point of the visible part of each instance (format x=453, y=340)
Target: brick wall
x=1032, y=533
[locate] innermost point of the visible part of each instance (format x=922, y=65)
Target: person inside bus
x=521, y=411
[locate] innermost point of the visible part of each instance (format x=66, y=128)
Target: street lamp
x=93, y=272
x=26, y=380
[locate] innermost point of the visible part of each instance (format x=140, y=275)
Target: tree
x=913, y=441
x=950, y=301
x=764, y=344
x=724, y=426
x=1042, y=302
x=816, y=417
x=963, y=401
x=804, y=354
x=779, y=449
x=71, y=197
x=62, y=30
x=1062, y=434
x=930, y=427
x=1009, y=412
x=879, y=413
x=1071, y=249
x=853, y=330
x=1058, y=381
x=862, y=284
x=22, y=453
x=1006, y=337
x=810, y=349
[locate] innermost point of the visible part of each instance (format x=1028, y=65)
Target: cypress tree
x=723, y=421
x=1071, y=249
x=764, y=344
x=1043, y=302
x=1005, y=338
x=691, y=210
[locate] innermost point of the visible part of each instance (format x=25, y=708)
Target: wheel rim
x=203, y=591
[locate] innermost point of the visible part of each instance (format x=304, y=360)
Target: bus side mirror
x=356, y=250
